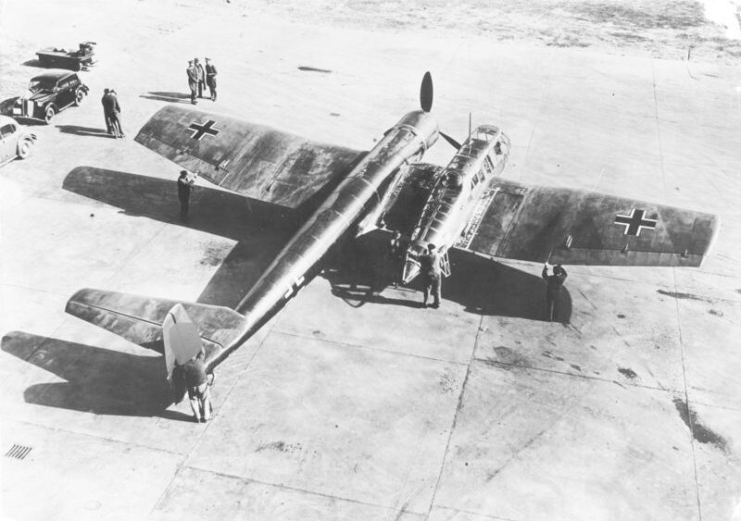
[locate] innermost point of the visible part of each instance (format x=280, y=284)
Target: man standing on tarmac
x=193, y=375
x=116, y=114
x=185, y=185
x=211, y=78
x=106, y=101
x=201, y=76
x=192, y=81
x=553, y=292
x=431, y=276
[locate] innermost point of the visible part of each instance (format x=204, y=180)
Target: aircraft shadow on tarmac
x=361, y=271
x=172, y=97
x=97, y=380
x=358, y=271
x=84, y=131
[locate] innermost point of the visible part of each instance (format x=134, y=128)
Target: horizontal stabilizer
x=139, y=319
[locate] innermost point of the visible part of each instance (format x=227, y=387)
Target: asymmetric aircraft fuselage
x=458, y=190
x=357, y=195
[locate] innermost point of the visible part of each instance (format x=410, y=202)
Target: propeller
x=425, y=100
x=450, y=140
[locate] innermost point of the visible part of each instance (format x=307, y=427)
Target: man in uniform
x=430, y=271
x=107, y=107
x=201, y=76
x=185, y=185
x=115, y=114
x=193, y=375
x=553, y=292
x=192, y=81
x=211, y=78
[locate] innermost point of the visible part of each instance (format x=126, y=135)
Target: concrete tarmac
x=351, y=404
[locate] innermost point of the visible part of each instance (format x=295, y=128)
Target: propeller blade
x=425, y=92
x=450, y=140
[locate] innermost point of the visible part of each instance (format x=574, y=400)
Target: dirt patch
x=214, y=254
x=506, y=355
x=279, y=446
x=699, y=431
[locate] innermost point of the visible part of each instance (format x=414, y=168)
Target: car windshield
x=39, y=84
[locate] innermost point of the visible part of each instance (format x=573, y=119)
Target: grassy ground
x=673, y=29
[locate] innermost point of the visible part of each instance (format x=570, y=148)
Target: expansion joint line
x=687, y=397
x=658, y=133
x=455, y=416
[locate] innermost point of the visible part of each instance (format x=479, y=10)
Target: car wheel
x=49, y=113
x=79, y=96
x=24, y=148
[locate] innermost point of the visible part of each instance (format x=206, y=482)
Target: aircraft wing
x=253, y=160
x=538, y=224
x=139, y=319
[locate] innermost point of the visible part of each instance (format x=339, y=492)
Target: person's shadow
x=172, y=97
x=97, y=380
x=84, y=131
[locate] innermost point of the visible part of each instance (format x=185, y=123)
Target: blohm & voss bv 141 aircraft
x=463, y=205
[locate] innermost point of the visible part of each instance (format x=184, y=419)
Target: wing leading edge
x=538, y=224
x=249, y=159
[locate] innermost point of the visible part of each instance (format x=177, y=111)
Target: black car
x=49, y=93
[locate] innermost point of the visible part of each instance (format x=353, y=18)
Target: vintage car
x=75, y=60
x=50, y=93
x=15, y=140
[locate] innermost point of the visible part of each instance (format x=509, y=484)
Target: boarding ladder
x=445, y=264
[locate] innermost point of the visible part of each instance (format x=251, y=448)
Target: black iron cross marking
x=201, y=130
x=635, y=222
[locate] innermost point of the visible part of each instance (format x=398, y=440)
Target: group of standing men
x=112, y=113
x=431, y=275
x=198, y=78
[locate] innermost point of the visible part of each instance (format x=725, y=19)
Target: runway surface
x=356, y=406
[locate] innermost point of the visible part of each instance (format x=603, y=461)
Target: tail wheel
x=49, y=113
x=24, y=148
x=79, y=96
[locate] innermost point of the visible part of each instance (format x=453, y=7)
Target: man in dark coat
x=211, y=78
x=115, y=114
x=185, y=185
x=431, y=277
x=553, y=291
x=107, y=108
